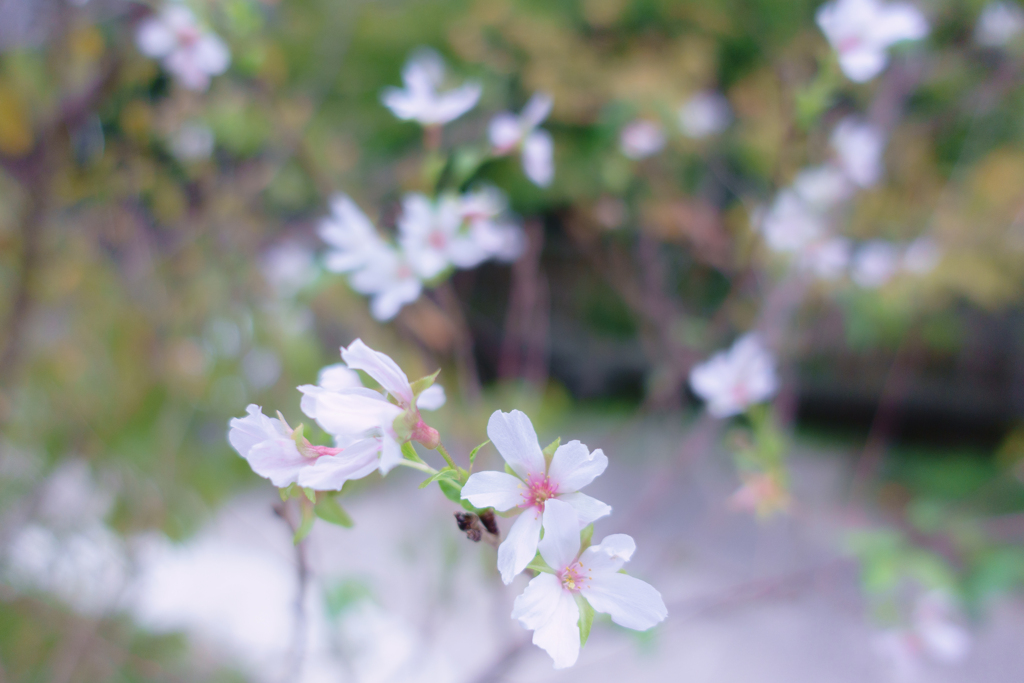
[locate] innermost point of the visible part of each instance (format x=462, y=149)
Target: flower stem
x=444, y=451
x=421, y=466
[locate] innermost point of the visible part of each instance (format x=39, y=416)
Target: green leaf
x=452, y=490
x=329, y=509
x=472, y=453
x=508, y=468
x=586, y=617
x=446, y=473
x=308, y=517
x=550, y=449
x=409, y=451
x=424, y=383
x=310, y=494
x=538, y=564
x=288, y=491
x=586, y=536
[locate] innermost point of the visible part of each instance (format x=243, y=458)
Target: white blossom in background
x=352, y=239
x=733, y=380
x=791, y=224
x=288, y=267
x=875, y=263
x=509, y=132
x=827, y=259
x=822, y=187
x=432, y=236
x=548, y=606
x=485, y=211
x=861, y=32
x=921, y=256
x=189, y=52
x=706, y=113
x=193, y=141
x=533, y=486
x=859, y=146
x=420, y=99
x=641, y=139
x=999, y=23
x=938, y=628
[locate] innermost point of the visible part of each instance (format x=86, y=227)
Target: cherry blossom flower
x=859, y=146
x=791, y=224
x=999, y=23
x=533, y=485
x=704, y=114
x=420, y=100
x=822, y=187
x=484, y=210
x=509, y=132
x=641, y=139
x=826, y=259
x=921, y=256
x=549, y=607
x=192, y=54
x=861, y=32
x=731, y=381
x=432, y=237
x=272, y=448
x=875, y=263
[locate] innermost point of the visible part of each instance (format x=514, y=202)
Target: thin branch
x=298, y=647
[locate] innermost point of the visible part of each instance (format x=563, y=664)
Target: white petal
x=561, y=542
x=536, y=110
x=246, y=432
x=338, y=377
x=560, y=636
x=504, y=132
x=574, y=466
x=380, y=367
x=901, y=21
x=514, y=437
x=631, y=602
x=454, y=103
x=863, y=64
x=278, y=460
x=155, y=38
x=390, y=453
x=212, y=54
x=354, y=412
x=607, y=557
x=388, y=302
x=498, y=490
x=538, y=603
x=431, y=398
x=520, y=545
x=538, y=158
x=587, y=509
x=330, y=472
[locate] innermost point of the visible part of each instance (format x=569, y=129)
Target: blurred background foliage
x=148, y=295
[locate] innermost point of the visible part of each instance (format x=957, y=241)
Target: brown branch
x=298, y=646
x=524, y=346
x=465, y=358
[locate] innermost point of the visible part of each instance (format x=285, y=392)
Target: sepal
x=424, y=383
x=586, y=617
x=306, y=525
x=329, y=509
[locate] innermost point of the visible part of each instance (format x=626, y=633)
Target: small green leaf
x=452, y=490
x=586, y=536
x=308, y=517
x=508, y=468
x=472, y=453
x=538, y=564
x=310, y=494
x=424, y=383
x=329, y=509
x=550, y=449
x=586, y=617
x=446, y=473
x=287, y=492
x=409, y=451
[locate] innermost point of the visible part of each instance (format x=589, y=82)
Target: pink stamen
x=325, y=450
x=575, y=576
x=188, y=35
x=539, y=488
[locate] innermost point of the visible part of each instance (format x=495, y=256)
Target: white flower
x=732, y=380
x=859, y=146
x=999, y=23
x=289, y=267
x=935, y=624
x=827, y=259
x=509, y=132
x=704, y=114
x=875, y=263
x=534, y=485
x=483, y=209
x=192, y=54
x=921, y=256
x=822, y=187
x=193, y=141
x=420, y=100
x=432, y=237
x=269, y=447
x=641, y=139
x=376, y=268
x=363, y=421
x=791, y=224
x=548, y=606
x=861, y=32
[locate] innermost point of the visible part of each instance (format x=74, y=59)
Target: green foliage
x=586, y=617
x=329, y=509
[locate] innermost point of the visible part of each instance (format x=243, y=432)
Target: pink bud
x=426, y=435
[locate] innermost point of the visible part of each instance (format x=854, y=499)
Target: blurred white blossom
x=533, y=486
x=791, y=224
x=732, y=380
x=509, y=132
x=822, y=187
x=432, y=237
x=420, y=99
x=861, y=32
x=289, y=267
x=549, y=604
x=999, y=23
x=875, y=263
x=706, y=113
x=188, y=51
x=641, y=139
x=827, y=259
x=859, y=146
x=193, y=141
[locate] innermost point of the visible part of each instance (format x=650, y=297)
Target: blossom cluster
x=705, y=114
x=373, y=430
x=434, y=237
x=188, y=51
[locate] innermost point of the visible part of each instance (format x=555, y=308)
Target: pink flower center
x=539, y=489
x=403, y=271
x=848, y=43
x=575, y=576
x=740, y=394
x=437, y=239
x=325, y=450
x=188, y=35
